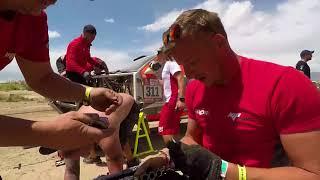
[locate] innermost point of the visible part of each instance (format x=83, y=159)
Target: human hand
x=105, y=100
x=72, y=134
x=195, y=161
x=152, y=162
x=180, y=105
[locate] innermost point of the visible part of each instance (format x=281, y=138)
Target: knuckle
x=71, y=114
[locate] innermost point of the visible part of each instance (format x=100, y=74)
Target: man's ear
x=219, y=40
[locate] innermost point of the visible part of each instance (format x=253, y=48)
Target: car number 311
x=152, y=91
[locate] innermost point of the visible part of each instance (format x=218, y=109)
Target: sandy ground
x=26, y=164
x=19, y=163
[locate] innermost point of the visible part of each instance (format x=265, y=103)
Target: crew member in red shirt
x=24, y=35
x=173, y=90
x=78, y=58
x=239, y=109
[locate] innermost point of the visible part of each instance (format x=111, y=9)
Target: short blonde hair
x=200, y=20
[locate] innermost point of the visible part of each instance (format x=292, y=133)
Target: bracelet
x=242, y=172
x=224, y=168
x=86, y=100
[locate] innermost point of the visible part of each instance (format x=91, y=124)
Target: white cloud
x=54, y=34
x=54, y=55
x=277, y=36
x=152, y=47
x=109, y=20
x=162, y=22
x=114, y=59
x=11, y=72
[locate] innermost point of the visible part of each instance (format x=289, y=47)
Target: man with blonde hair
x=239, y=109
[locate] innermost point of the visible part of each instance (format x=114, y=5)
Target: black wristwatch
x=182, y=99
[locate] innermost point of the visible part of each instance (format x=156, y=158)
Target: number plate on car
x=152, y=91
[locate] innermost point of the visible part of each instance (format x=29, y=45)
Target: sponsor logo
x=240, y=116
x=234, y=116
x=202, y=112
x=160, y=129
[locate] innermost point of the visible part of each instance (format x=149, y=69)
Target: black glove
x=195, y=161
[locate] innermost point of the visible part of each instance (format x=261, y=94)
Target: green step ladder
x=144, y=134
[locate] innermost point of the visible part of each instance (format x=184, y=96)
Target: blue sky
x=273, y=30
x=117, y=22
x=68, y=18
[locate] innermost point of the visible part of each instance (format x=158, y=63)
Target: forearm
x=56, y=87
x=93, y=62
x=112, y=149
x=292, y=173
x=20, y=132
x=181, y=86
x=188, y=140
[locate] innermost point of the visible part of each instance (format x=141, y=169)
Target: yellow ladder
x=144, y=134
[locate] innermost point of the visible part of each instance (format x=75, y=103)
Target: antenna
x=139, y=57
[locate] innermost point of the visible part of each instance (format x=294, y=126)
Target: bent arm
x=41, y=78
x=303, y=151
x=181, y=85
x=111, y=145
x=193, y=133
x=93, y=61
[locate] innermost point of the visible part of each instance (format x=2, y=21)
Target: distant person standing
x=302, y=65
x=174, y=91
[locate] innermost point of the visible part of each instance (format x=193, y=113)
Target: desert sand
x=28, y=164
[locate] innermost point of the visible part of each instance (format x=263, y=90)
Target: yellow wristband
x=87, y=94
x=242, y=172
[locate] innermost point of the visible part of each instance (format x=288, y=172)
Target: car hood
x=134, y=66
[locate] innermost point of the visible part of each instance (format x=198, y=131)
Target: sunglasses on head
x=170, y=36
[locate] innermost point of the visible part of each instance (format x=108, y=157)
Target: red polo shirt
x=242, y=121
x=78, y=55
x=25, y=36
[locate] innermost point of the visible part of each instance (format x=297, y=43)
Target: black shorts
x=128, y=123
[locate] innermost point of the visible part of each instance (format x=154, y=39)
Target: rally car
x=136, y=80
